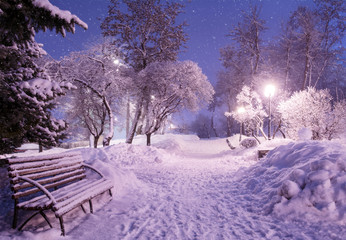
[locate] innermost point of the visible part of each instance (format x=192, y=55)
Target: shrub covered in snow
x=313, y=109
x=252, y=114
x=249, y=143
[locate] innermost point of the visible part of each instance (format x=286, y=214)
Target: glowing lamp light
x=269, y=90
x=241, y=110
x=116, y=61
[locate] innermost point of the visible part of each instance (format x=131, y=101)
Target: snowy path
x=191, y=193
x=192, y=198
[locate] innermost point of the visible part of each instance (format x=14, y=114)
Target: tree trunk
x=287, y=70
x=264, y=135
x=128, y=117
x=135, y=122
x=212, y=125
x=108, y=138
x=254, y=136
x=307, y=66
x=283, y=134
x=206, y=130
x=96, y=139
x=229, y=127
x=148, y=139
x=40, y=147
x=278, y=129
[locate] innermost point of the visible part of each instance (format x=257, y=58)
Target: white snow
x=304, y=134
x=64, y=14
x=186, y=188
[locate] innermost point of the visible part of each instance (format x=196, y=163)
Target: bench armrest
x=94, y=169
x=39, y=186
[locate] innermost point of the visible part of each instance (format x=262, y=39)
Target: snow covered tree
x=99, y=73
x=173, y=86
x=26, y=92
x=242, y=60
x=313, y=109
x=309, y=50
x=247, y=35
x=251, y=113
x=307, y=39
x=87, y=111
x=328, y=68
x=148, y=32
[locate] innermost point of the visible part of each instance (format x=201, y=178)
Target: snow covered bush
x=249, y=143
x=252, y=114
x=313, y=109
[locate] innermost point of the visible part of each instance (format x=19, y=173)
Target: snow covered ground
x=186, y=188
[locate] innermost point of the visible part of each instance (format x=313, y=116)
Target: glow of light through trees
x=269, y=90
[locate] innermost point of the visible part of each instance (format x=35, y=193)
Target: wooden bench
x=56, y=182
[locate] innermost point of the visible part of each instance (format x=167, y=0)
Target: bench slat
x=59, y=165
x=48, y=174
x=43, y=182
x=42, y=199
x=87, y=189
x=35, y=190
x=83, y=197
x=20, y=166
x=41, y=158
x=62, y=194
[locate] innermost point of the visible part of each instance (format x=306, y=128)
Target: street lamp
x=116, y=61
x=269, y=93
x=240, y=111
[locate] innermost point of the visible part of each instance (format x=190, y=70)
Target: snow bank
x=300, y=180
x=115, y=162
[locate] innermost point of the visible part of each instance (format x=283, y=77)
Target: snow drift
x=300, y=180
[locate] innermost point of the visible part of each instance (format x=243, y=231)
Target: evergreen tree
x=26, y=92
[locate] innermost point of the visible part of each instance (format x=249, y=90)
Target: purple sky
x=209, y=22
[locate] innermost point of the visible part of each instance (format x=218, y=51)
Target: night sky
x=209, y=22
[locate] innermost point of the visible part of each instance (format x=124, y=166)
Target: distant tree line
x=307, y=56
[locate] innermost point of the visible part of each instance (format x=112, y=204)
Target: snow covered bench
x=54, y=182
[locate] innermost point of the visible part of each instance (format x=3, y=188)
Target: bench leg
x=62, y=226
x=83, y=208
x=91, y=206
x=39, y=212
x=15, y=214
x=45, y=218
x=110, y=192
x=27, y=220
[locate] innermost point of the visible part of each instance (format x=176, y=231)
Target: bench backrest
x=50, y=171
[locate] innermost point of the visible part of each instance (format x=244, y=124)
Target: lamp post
x=240, y=111
x=269, y=93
